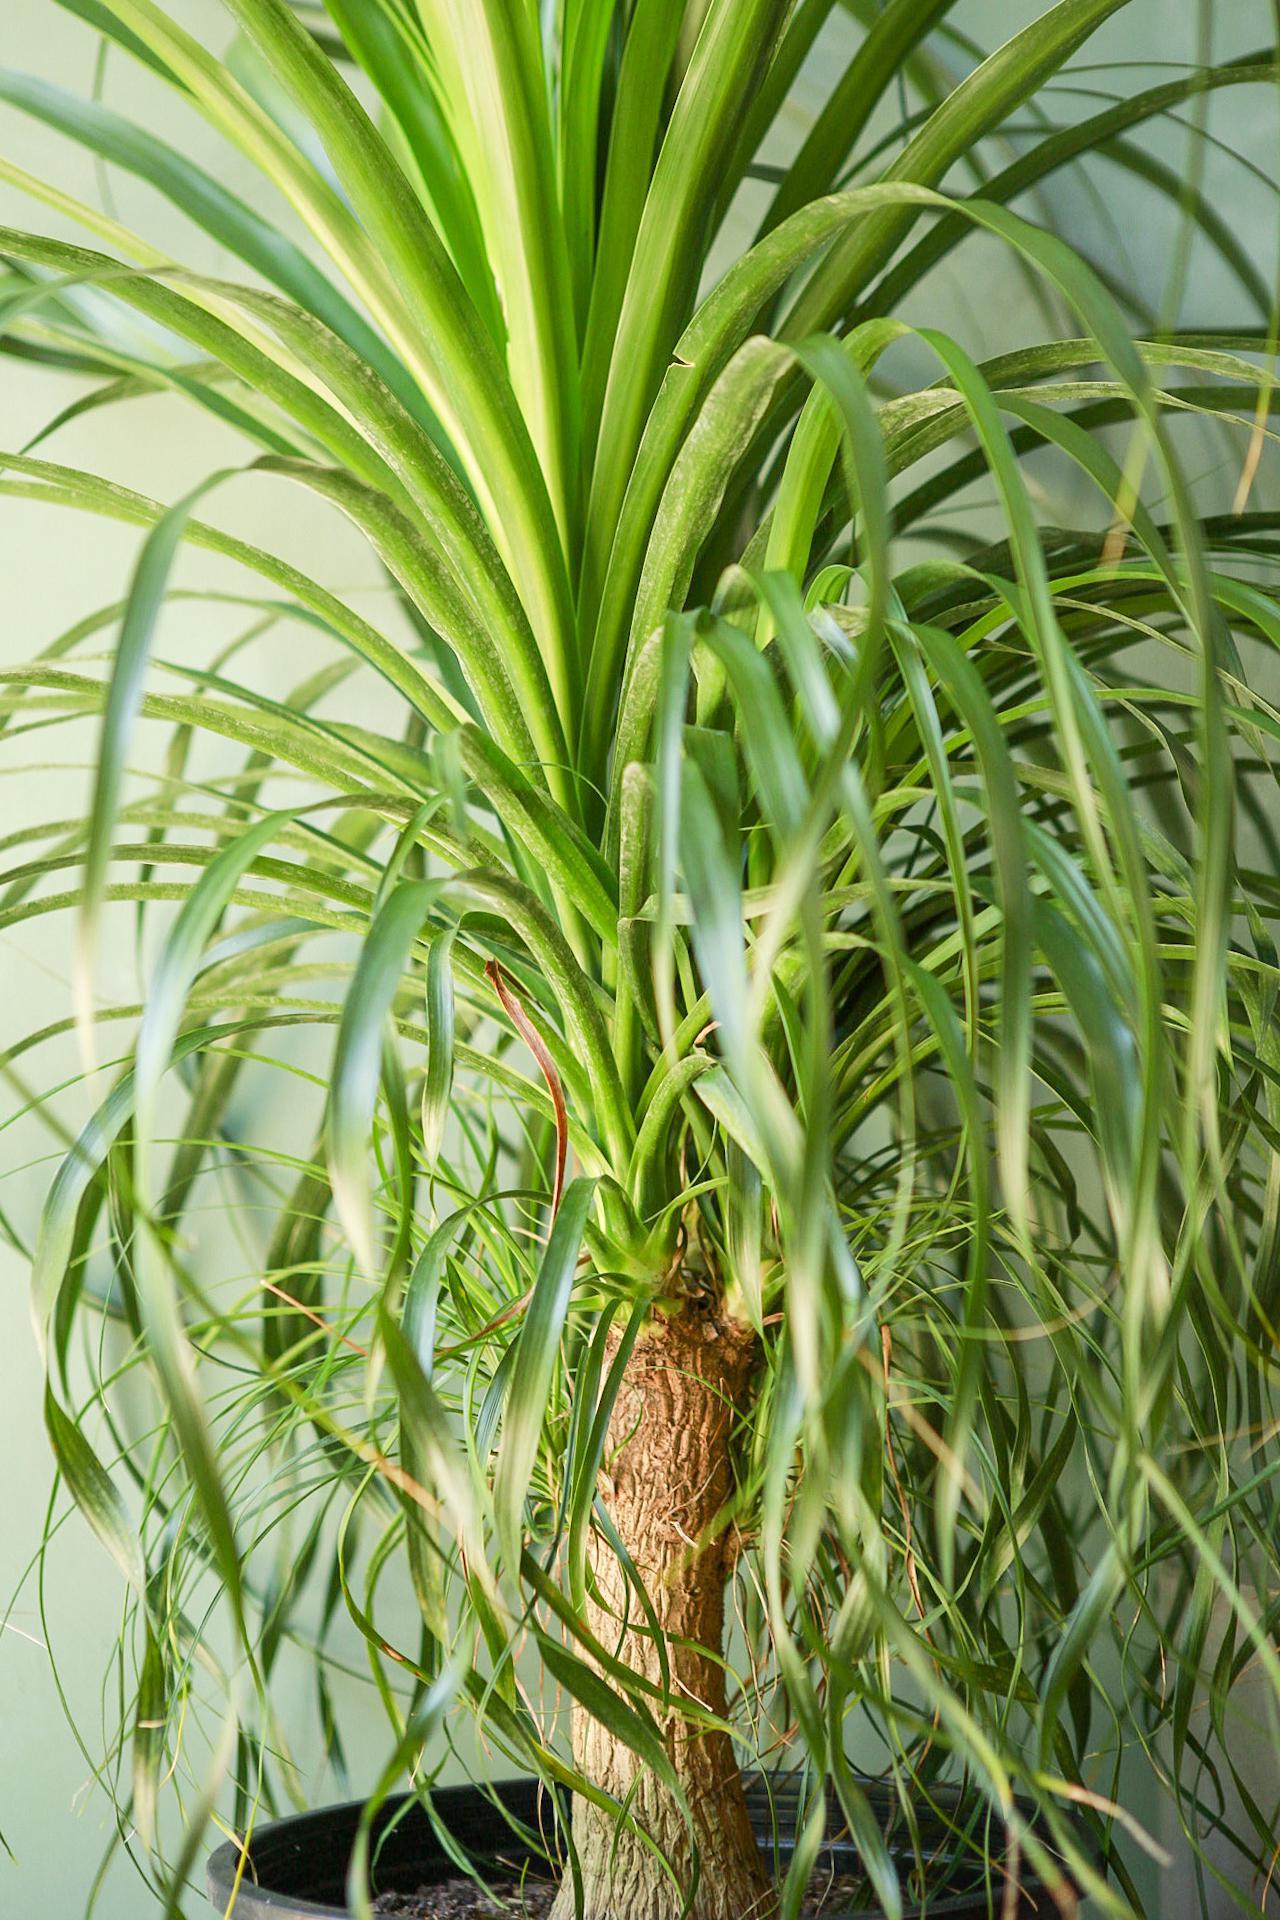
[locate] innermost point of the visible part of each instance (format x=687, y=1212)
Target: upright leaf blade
x=536, y=1355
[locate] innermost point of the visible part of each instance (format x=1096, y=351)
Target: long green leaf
x=536, y=1354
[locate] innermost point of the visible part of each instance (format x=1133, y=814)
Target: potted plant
x=766, y=1226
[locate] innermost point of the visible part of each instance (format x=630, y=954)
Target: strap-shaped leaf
x=978, y=104
x=357, y=1064
x=437, y=1085
x=225, y=217
x=149, y=1739
x=92, y=494
x=631, y=1725
x=734, y=42
x=184, y=950
x=402, y=269
x=879, y=60
x=94, y=1492
x=400, y=70
x=490, y=58
x=536, y=1355
x=142, y=609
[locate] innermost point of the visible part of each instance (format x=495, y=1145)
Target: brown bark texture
x=666, y=1476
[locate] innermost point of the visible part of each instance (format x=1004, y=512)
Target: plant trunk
x=666, y=1476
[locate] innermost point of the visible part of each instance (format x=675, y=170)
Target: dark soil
x=462, y=1899
x=531, y=1899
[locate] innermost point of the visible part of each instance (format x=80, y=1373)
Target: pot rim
x=256, y=1902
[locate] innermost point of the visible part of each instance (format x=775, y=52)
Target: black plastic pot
x=297, y=1868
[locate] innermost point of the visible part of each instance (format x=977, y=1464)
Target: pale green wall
x=55, y=567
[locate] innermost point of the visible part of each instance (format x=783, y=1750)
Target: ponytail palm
x=777, y=1222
